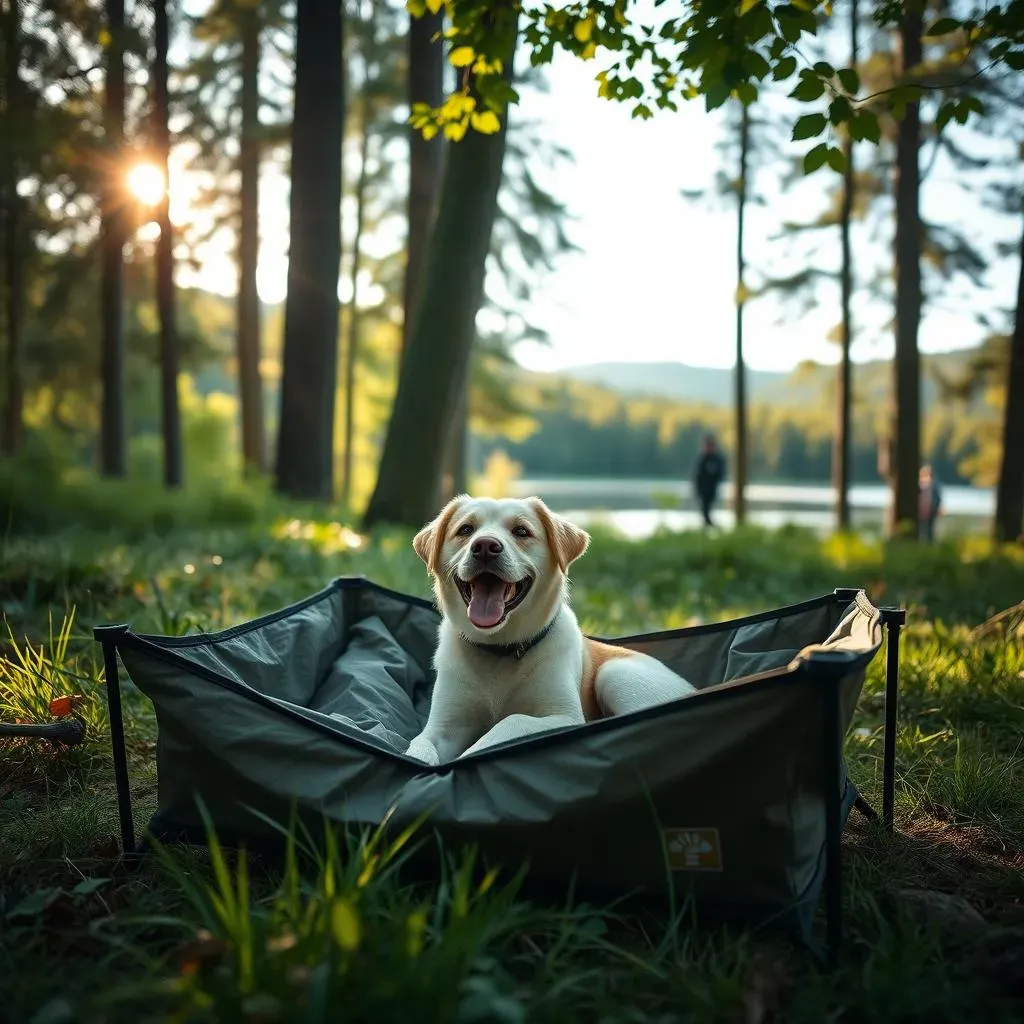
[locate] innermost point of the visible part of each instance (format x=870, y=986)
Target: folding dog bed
x=734, y=796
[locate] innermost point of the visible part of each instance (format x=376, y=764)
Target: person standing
x=929, y=501
x=708, y=476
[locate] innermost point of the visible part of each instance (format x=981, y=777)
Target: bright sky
x=656, y=277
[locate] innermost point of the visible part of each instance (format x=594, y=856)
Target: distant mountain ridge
x=714, y=386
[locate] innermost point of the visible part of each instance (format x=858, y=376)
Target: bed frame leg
x=832, y=753
x=117, y=746
x=893, y=619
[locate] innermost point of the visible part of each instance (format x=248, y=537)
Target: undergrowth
x=340, y=931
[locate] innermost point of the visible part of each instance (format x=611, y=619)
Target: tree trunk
x=426, y=158
x=305, y=449
x=908, y=295
x=740, y=474
x=1009, y=522
x=354, y=319
x=170, y=406
x=841, y=451
x=454, y=478
x=13, y=249
x=247, y=343
x=113, y=455
x=436, y=363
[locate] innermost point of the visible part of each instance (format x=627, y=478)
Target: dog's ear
x=567, y=541
x=430, y=540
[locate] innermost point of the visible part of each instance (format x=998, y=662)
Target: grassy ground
x=199, y=938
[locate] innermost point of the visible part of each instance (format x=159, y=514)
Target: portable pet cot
x=735, y=796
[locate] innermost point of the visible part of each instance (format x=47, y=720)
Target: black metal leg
x=124, y=793
x=832, y=752
x=865, y=808
x=893, y=619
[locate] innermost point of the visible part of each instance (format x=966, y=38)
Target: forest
x=118, y=362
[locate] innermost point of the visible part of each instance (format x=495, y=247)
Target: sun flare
x=146, y=183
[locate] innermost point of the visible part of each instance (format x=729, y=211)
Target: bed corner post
x=830, y=673
x=107, y=637
x=893, y=619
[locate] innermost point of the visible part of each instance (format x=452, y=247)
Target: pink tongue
x=487, y=601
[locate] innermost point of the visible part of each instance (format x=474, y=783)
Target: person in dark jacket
x=929, y=502
x=708, y=476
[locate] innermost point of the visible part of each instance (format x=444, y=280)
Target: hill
x=713, y=386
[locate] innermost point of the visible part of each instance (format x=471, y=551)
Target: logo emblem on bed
x=693, y=849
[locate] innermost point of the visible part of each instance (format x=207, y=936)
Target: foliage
x=717, y=50
x=230, y=936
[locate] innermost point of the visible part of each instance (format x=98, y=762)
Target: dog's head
x=499, y=566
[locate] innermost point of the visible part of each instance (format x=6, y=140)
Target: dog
x=511, y=659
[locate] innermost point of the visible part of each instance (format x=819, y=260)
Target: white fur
x=481, y=699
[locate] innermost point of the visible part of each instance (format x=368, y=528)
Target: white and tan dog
x=511, y=659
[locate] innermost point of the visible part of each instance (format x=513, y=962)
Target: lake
x=639, y=507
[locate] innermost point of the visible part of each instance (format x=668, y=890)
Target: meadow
x=935, y=911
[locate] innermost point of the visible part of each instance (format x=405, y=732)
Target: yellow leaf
x=747, y=5
x=454, y=130
x=584, y=29
x=588, y=51
x=435, y=5
x=345, y=925
x=742, y=294
x=485, y=122
x=461, y=56
x=104, y=38
x=416, y=8
x=429, y=131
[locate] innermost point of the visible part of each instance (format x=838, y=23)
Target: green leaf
x=839, y=110
x=871, y=128
x=808, y=89
x=943, y=27
x=1015, y=60
x=836, y=159
x=641, y=111
x=945, y=114
x=746, y=5
x=849, y=80
x=716, y=95
x=34, y=904
x=864, y=125
x=87, y=886
x=823, y=69
x=755, y=65
x=784, y=68
x=746, y=93
x=815, y=158
x=809, y=126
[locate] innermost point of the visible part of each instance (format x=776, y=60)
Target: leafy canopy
x=715, y=49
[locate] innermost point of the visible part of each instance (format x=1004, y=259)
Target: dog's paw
x=423, y=750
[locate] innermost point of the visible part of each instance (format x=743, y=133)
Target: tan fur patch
x=595, y=654
x=566, y=541
x=429, y=542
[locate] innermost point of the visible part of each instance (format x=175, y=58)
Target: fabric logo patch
x=693, y=849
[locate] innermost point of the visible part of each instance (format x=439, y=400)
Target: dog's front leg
x=452, y=725
x=440, y=742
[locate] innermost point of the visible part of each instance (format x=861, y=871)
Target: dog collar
x=517, y=650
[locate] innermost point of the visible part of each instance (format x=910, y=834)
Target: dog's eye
x=464, y=530
x=520, y=531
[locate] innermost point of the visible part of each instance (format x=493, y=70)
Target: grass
x=340, y=931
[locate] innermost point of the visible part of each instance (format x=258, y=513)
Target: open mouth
x=489, y=598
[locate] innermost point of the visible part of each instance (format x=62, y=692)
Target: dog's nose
x=486, y=547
